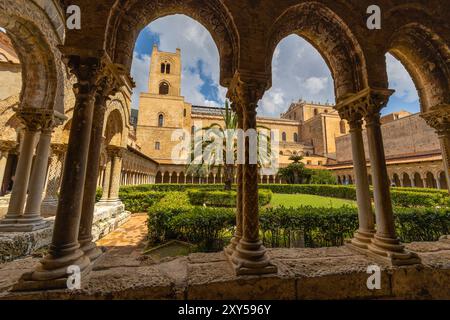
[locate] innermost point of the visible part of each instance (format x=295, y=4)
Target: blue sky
x=306, y=75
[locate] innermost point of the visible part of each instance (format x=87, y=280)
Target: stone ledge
x=324, y=273
x=14, y=245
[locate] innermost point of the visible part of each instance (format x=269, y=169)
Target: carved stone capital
x=36, y=119
x=114, y=151
x=8, y=146
x=365, y=104
x=247, y=89
x=438, y=117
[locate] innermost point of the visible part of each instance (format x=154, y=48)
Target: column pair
x=111, y=182
x=438, y=117
x=384, y=244
x=93, y=74
x=24, y=211
x=246, y=253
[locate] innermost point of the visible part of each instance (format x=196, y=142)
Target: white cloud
x=196, y=44
x=400, y=80
x=140, y=72
x=2, y=30
x=298, y=71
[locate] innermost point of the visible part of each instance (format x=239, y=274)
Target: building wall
x=402, y=138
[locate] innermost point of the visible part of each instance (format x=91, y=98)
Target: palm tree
x=214, y=154
x=296, y=172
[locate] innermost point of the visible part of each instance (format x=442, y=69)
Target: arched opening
x=431, y=182
x=163, y=68
x=295, y=137
x=406, y=180
x=443, y=180
x=164, y=88
x=166, y=177
x=161, y=120
x=396, y=180
x=350, y=180
x=283, y=136
x=418, y=182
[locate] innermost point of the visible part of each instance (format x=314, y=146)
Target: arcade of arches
x=63, y=144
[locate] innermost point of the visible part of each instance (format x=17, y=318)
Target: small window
x=316, y=112
x=184, y=113
x=283, y=136
x=320, y=163
x=157, y=145
x=164, y=88
x=168, y=68
x=295, y=137
x=160, y=120
x=163, y=68
x=308, y=162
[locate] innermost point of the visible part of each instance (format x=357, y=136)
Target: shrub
x=215, y=198
x=140, y=201
x=322, y=177
x=162, y=212
x=170, y=187
x=417, y=199
x=207, y=227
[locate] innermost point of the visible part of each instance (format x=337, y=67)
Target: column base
x=110, y=202
x=250, y=258
x=445, y=239
x=361, y=239
x=392, y=252
x=229, y=250
x=91, y=250
x=23, y=225
x=53, y=272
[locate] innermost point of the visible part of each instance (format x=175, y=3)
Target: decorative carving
x=439, y=118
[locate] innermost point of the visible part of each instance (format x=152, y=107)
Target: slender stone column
x=385, y=243
x=106, y=180
x=250, y=255
x=21, y=180
x=116, y=155
x=85, y=238
x=65, y=250
x=3, y=161
x=32, y=219
x=240, y=183
x=54, y=179
x=366, y=230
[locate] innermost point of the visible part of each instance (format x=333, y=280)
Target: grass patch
x=298, y=200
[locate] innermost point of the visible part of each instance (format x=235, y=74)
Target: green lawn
x=297, y=200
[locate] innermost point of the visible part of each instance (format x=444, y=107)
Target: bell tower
x=165, y=73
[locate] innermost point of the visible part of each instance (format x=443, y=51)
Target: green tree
x=322, y=177
x=296, y=172
x=214, y=155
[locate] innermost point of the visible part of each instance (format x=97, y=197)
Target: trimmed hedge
x=175, y=218
x=137, y=202
x=214, y=198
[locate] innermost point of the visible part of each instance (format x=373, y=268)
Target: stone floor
x=131, y=233
x=323, y=273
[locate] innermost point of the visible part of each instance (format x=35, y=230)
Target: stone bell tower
x=162, y=109
x=165, y=73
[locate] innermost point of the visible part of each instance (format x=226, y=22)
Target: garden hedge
x=175, y=218
x=217, y=198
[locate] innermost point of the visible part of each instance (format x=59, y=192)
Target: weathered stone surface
x=331, y=273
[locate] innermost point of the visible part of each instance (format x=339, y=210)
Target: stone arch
x=114, y=129
x=329, y=34
x=418, y=182
x=443, y=180
x=426, y=57
x=396, y=180
x=406, y=180
x=159, y=177
x=431, y=181
x=128, y=18
x=36, y=32
x=166, y=177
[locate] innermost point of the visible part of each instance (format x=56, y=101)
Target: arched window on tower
x=316, y=112
x=295, y=137
x=161, y=120
x=283, y=136
x=168, y=68
x=163, y=68
x=164, y=88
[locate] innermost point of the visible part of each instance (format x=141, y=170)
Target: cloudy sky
x=306, y=75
